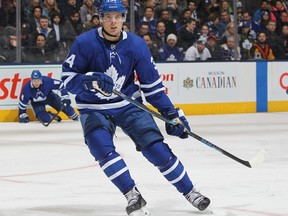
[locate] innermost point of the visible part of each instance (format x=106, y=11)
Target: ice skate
x=57, y=118
x=197, y=200
x=136, y=204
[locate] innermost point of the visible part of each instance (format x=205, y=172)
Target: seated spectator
x=192, y=6
x=261, y=50
x=91, y=24
x=188, y=34
x=170, y=23
x=153, y=48
x=183, y=19
x=72, y=28
x=213, y=21
x=247, y=38
x=70, y=6
x=229, y=50
x=87, y=10
x=50, y=7
x=204, y=31
x=229, y=32
x=170, y=51
x=160, y=36
x=198, y=52
x=283, y=20
x=216, y=51
x=8, y=52
x=149, y=18
x=126, y=27
x=39, y=53
x=275, y=41
x=51, y=42
x=34, y=18
x=265, y=7
x=143, y=30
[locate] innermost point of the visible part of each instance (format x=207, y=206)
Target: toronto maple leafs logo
x=118, y=82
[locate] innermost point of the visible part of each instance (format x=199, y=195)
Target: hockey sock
x=169, y=165
x=116, y=170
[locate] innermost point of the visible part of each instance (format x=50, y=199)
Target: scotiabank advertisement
x=277, y=81
x=13, y=78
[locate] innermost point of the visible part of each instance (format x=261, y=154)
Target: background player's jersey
x=119, y=60
x=29, y=93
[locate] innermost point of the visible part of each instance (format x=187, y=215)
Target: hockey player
x=104, y=59
x=39, y=90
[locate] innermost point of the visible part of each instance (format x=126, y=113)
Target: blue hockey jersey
x=119, y=60
x=29, y=93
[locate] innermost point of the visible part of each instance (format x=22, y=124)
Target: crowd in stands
x=174, y=30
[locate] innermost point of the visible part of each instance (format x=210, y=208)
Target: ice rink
x=48, y=171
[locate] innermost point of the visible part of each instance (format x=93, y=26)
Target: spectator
x=199, y=52
x=29, y=7
x=93, y=23
x=187, y=35
x=261, y=26
x=153, y=48
x=149, y=18
x=72, y=27
x=144, y=29
x=261, y=50
x=247, y=38
x=9, y=50
x=283, y=20
x=265, y=7
x=160, y=36
x=87, y=10
x=216, y=51
x=192, y=6
x=275, y=42
x=69, y=8
x=223, y=22
x=51, y=41
x=33, y=20
x=39, y=53
x=170, y=51
x=50, y=7
x=229, y=32
x=170, y=23
x=229, y=50
x=136, y=11
x=204, y=31
x=59, y=30
x=11, y=14
x=213, y=21
x=182, y=21
x=126, y=28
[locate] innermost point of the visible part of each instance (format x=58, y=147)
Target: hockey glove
x=23, y=118
x=65, y=99
x=180, y=128
x=98, y=81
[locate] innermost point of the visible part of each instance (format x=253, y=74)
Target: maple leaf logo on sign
x=188, y=83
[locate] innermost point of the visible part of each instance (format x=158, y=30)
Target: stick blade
x=258, y=158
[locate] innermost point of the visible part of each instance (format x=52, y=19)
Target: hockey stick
x=257, y=159
x=54, y=116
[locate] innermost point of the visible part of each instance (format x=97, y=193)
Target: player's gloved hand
x=65, y=99
x=98, y=81
x=180, y=128
x=286, y=91
x=23, y=118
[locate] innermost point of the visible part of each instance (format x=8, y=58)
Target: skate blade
x=141, y=212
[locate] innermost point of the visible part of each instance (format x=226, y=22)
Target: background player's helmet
x=109, y=6
x=36, y=74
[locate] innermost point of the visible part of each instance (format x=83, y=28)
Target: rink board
x=198, y=88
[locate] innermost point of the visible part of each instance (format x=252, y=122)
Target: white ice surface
x=50, y=172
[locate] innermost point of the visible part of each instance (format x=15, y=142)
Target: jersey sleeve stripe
x=151, y=85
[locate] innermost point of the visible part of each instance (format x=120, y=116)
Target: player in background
x=39, y=90
x=104, y=59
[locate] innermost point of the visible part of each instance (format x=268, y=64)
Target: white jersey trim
x=103, y=106
x=151, y=85
x=154, y=92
